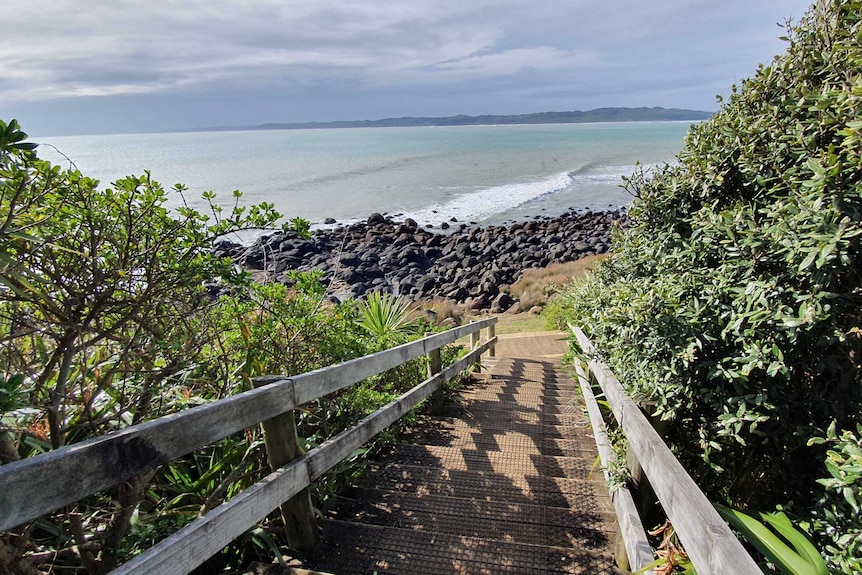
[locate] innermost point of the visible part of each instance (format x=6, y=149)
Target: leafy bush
x=836, y=515
x=732, y=299
x=108, y=317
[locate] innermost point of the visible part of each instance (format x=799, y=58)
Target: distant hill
x=577, y=117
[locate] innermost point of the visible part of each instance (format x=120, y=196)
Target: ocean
x=482, y=174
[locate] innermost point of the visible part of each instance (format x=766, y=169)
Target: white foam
x=483, y=203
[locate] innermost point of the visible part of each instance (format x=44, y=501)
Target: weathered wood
x=471, y=358
x=435, y=364
x=474, y=343
x=314, y=384
x=32, y=487
x=331, y=452
x=636, y=552
x=492, y=334
x=196, y=542
x=334, y=450
x=642, y=492
x=707, y=539
x=282, y=447
x=35, y=486
x=68, y=474
x=192, y=545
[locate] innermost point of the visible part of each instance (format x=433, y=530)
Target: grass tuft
x=536, y=286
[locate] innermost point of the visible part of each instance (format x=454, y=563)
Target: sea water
x=481, y=174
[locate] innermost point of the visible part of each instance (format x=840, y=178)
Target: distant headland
x=576, y=117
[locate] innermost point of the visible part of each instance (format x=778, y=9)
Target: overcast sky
x=104, y=66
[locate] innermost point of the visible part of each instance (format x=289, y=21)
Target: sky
x=117, y=66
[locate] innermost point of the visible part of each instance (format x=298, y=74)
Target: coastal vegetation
x=731, y=301
x=115, y=310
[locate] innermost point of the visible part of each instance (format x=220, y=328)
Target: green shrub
x=836, y=515
x=732, y=300
x=106, y=321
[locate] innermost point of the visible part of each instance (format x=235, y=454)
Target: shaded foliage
x=733, y=298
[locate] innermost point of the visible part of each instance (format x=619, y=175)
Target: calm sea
x=483, y=174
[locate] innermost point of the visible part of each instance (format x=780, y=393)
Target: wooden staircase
x=506, y=482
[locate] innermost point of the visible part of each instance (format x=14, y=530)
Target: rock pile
x=468, y=265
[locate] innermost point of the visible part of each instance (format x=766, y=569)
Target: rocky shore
x=469, y=265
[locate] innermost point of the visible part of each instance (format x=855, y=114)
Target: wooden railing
x=33, y=487
x=709, y=542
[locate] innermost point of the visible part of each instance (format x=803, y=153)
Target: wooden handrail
x=636, y=547
x=194, y=543
x=709, y=542
x=32, y=487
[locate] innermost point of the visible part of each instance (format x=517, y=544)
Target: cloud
x=511, y=62
x=195, y=43
x=287, y=58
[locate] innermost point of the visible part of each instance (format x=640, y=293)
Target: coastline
x=472, y=265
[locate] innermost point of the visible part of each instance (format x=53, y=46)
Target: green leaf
x=793, y=561
x=798, y=539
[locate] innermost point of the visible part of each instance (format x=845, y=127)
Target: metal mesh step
x=512, y=463
x=350, y=548
x=501, y=520
x=505, y=483
x=554, y=441
x=579, y=494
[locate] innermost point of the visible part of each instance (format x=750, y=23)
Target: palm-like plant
x=386, y=316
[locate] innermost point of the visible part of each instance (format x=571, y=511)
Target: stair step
x=511, y=385
x=500, y=520
x=507, y=483
x=357, y=548
x=548, y=440
x=509, y=411
x=511, y=464
x=583, y=495
x=497, y=402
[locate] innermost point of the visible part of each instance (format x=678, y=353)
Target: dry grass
x=534, y=288
x=537, y=285
x=520, y=323
x=440, y=310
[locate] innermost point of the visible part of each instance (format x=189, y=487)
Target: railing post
x=644, y=494
x=435, y=366
x=282, y=447
x=474, y=343
x=492, y=333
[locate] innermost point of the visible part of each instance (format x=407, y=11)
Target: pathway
x=505, y=483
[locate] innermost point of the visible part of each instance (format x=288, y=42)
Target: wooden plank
x=637, y=547
x=334, y=450
x=707, y=539
x=282, y=447
x=467, y=361
x=435, y=365
x=35, y=486
x=315, y=384
x=195, y=543
x=199, y=540
x=32, y=487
